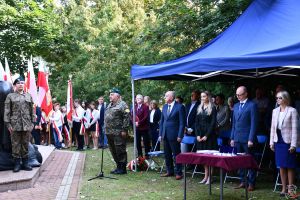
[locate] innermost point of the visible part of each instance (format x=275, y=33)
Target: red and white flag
x=69, y=101
x=31, y=84
x=7, y=76
x=2, y=73
x=45, y=100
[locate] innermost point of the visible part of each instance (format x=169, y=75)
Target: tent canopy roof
x=266, y=35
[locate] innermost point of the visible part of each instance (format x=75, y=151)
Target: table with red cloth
x=224, y=162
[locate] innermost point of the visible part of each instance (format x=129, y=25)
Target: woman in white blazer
x=284, y=138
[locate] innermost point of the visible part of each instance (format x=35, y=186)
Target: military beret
x=115, y=90
x=17, y=80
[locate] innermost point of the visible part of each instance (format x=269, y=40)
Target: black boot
x=25, y=165
x=17, y=167
x=116, y=170
x=122, y=169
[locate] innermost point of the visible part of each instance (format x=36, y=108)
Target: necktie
x=169, y=110
x=241, y=106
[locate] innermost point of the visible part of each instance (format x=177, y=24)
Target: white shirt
x=57, y=117
x=152, y=115
x=172, y=105
x=96, y=116
x=280, y=120
x=80, y=113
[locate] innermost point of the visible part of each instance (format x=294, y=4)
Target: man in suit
x=102, y=137
x=191, y=112
x=171, y=130
x=243, y=133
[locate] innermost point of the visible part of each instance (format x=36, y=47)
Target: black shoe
x=122, y=169
x=17, y=166
x=116, y=170
x=25, y=165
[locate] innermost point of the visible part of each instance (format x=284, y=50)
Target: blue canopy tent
x=266, y=35
x=263, y=41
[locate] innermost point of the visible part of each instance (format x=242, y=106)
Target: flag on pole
x=2, y=72
x=7, y=77
x=44, y=100
x=69, y=101
x=30, y=83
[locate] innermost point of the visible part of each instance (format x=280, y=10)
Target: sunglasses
x=279, y=98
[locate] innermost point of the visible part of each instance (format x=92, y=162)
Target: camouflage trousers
x=19, y=143
x=117, y=147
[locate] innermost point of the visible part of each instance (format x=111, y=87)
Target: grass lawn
x=141, y=185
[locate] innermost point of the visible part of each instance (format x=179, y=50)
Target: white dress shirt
x=80, y=113
x=152, y=115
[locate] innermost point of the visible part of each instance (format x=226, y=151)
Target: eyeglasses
x=238, y=95
x=279, y=98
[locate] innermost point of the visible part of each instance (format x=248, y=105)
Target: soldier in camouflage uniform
x=116, y=123
x=19, y=118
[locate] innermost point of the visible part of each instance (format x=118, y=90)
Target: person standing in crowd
x=230, y=103
x=102, y=137
x=284, y=139
x=171, y=129
x=116, y=123
x=191, y=111
x=78, y=114
x=142, y=126
x=36, y=132
x=262, y=103
x=243, y=133
x=223, y=116
x=19, y=118
x=86, y=122
x=147, y=102
x=154, y=119
x=93, y=128
x=56, y=121
x=179, y=99
x=205, y=124
x=66, y=127
x=44, y=128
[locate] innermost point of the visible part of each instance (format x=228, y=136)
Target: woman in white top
x=93, y=125
x=56, y=120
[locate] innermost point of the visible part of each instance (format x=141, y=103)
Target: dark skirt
x=93, y=127
x=209, y=144
x=284, y=159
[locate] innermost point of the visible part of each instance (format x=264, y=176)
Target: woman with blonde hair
x=205, y=128
x=284, y=139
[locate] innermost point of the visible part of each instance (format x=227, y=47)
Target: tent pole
x=133, y=124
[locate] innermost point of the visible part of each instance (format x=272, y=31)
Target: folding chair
x=229, y=149
x=190, y=140
x=155, y=154
x=262, y=140
x=278, y=182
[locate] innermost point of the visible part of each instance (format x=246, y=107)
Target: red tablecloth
x=229, y=163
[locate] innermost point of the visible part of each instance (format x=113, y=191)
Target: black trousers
x=146, y=141
x=36, y=134
x=76, y=132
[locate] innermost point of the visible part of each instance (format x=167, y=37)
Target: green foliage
x=98, y=41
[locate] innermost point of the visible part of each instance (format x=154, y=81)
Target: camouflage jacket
x=116, y=118
x=18, y=112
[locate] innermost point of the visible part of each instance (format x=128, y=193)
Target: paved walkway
x=60, y=180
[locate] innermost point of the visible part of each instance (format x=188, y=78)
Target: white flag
x=7, y=77
x=31, y=84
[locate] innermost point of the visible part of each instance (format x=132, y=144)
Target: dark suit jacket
x=156, y=118
x=172, y=126
x=143, y=117
x=101, y=119
x=190, y=119
x=244, y=122
x=38, y=116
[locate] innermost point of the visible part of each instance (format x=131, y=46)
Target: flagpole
x=134, y=126
x=71, y=124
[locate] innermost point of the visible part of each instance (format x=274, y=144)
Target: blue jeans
x=243, y=148
x=57, y=143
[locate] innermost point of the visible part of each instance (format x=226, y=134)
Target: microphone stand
x=101, y=173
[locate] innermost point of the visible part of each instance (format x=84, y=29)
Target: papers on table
x=216, y=153
x=207, y=151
